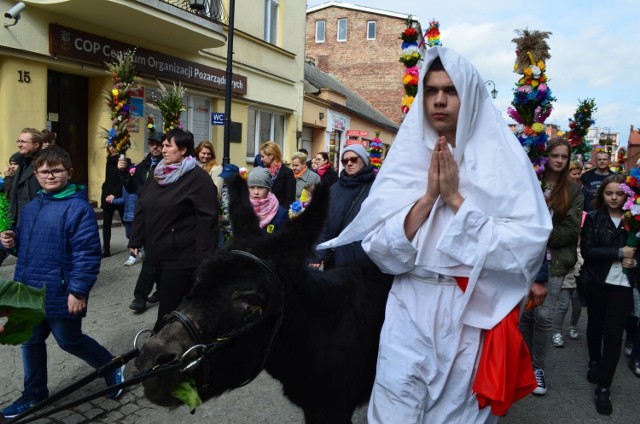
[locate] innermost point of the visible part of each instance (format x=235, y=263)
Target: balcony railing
x=210, y=9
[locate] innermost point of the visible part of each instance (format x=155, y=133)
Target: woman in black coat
x=283, y=183
x=176, y=220
x=609, y=270
x=328, y=175
x=113, y=180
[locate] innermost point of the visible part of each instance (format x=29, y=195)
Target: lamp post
x=227, y=91
x=494, y=92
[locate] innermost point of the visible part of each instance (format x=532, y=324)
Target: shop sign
x=364, y=143
x=90, y=48
x=357, y=133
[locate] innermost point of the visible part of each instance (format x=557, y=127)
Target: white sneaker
x=131, y=261
x=573, y=333
x=141, y=253
x=558, y=341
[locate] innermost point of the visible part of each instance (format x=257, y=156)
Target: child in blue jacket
x=58, y=246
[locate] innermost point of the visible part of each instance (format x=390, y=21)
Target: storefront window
x=263, y=125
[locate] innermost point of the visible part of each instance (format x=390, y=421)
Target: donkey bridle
x=210, y=349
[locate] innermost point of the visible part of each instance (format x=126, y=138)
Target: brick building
x=633, y=147
x=360, y=46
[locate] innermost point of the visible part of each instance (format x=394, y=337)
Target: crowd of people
x=485, y=253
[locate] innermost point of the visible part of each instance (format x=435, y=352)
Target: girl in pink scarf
x=270, y=214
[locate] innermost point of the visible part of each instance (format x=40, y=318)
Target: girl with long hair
x=610, y=272
x=565, y=201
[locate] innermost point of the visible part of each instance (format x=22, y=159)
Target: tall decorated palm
x=579, y=127
x=118, y=99
x=410, y=58
x=532, y=98
x=171, y=105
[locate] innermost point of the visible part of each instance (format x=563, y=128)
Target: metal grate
x=213, y=9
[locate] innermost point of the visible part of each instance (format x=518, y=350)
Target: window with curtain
x=263, y=125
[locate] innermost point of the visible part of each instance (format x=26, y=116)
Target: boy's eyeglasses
x=23, y=142
x=53, y=172
x=345, y=161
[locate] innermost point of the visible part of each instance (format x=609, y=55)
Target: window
x=271, y=21
x=263, y=125
x=320, y=25
x=371, y=30
x=342, y=30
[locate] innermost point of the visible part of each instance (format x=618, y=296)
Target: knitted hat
x=359, y=150
x=259, y=177
x=17, y=158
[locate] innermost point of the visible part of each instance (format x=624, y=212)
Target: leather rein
x=253, y=318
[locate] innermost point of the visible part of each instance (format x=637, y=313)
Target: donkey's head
x=235, y=306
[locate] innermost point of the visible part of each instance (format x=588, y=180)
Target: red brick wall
x=368, y=67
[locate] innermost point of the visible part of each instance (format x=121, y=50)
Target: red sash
x=505, y=373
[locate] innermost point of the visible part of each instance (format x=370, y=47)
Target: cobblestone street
x=111, y=322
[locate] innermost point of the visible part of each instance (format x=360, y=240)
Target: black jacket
x=329, y=177
x=134, y=183
x=113, y=181
x=177, y=223
x=599, y=245
x=284, y=187
x=347, y=191
x=24, y=188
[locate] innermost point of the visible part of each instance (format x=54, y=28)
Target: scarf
x=169, y=174
x=300, y=174
x=265, y=209
x=364, y=176
x=321, y=170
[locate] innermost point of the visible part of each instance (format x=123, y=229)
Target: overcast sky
x=595, y=49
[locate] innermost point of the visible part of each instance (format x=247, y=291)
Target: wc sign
x=217, y=118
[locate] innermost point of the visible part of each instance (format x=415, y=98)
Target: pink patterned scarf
x=265, y=209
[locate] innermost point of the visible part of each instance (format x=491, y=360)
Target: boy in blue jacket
x=58, y=246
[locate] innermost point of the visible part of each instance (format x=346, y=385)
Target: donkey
x=256, y=300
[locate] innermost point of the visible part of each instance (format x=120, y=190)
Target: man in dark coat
x=135, y=184
x=25, y=185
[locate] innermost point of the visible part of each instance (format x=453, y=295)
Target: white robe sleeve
x=388, y=246
x=509, y=241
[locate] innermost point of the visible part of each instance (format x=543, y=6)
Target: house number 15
x=24, y=77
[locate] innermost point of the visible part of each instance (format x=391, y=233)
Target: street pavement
x=111, y=322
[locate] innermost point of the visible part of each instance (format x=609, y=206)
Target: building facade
x=335, y=117
x=53, y=73
x=361, y=47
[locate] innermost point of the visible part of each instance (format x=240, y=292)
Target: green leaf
x=25, y=307
x=188, y=394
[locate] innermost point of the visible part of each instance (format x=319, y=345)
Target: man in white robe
x=456, y=197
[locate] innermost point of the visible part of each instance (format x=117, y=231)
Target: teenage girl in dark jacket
x=610, y=297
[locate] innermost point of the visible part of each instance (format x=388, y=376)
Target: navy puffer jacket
x=58, y=247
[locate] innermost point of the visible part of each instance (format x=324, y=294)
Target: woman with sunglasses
x=345, y=200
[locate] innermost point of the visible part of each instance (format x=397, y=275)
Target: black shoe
x=603, y=401
x=593, y=375
x=154, y=298
x=106, y=253
x=138, y=305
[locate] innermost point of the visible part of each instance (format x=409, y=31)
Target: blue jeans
x=68, y=335
x=536, y=325
x=566, y=296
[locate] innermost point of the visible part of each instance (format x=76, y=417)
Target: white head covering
x=496, y=177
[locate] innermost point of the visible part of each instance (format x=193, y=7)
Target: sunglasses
x=345, y=161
